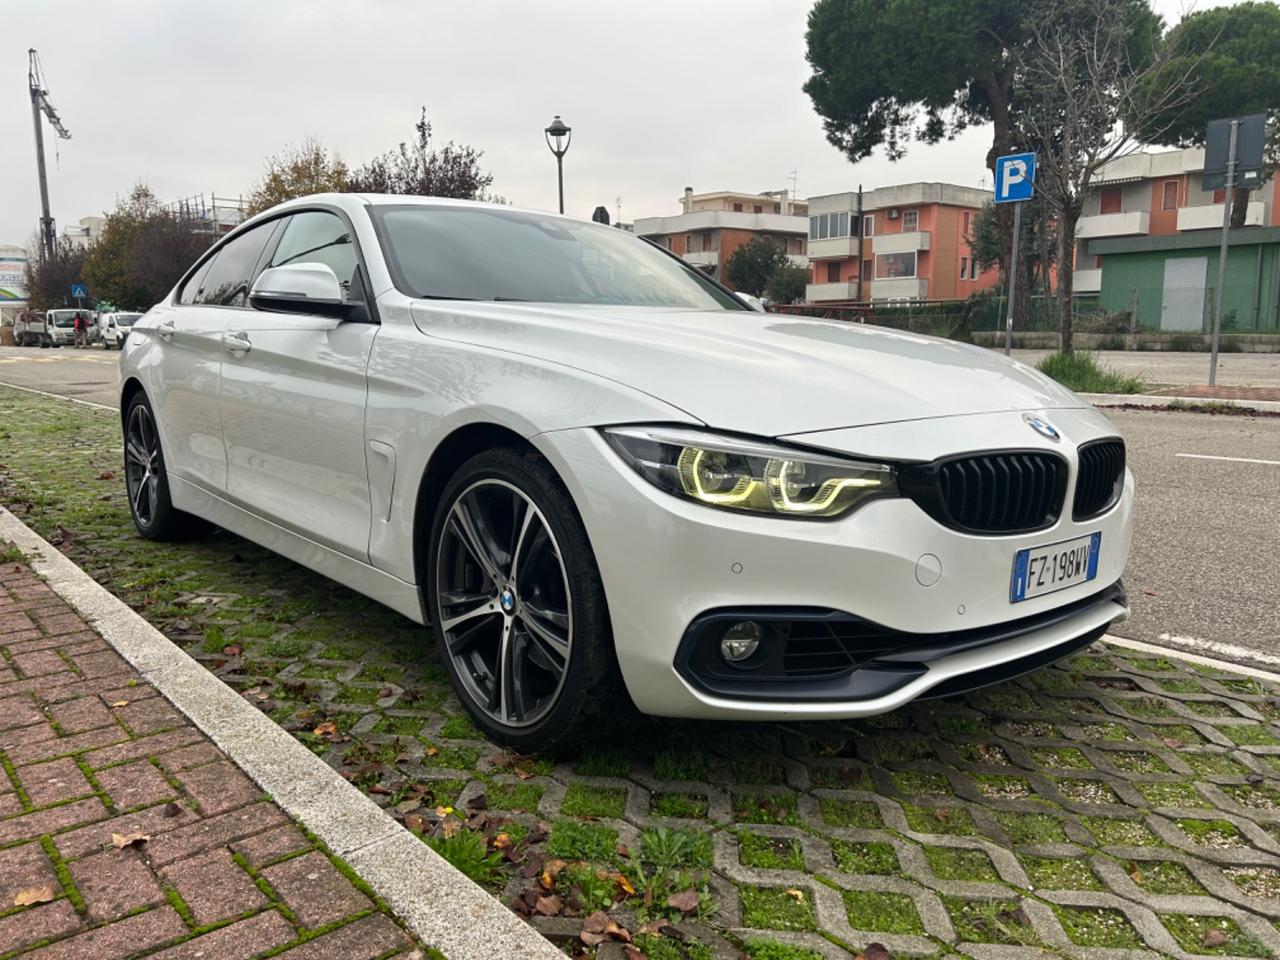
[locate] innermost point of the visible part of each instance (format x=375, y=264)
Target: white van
x=113, y=328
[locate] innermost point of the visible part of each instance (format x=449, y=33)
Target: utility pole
x=40, y=103
x=1222, y=252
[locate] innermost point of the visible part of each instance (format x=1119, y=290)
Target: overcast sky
x=190, y=97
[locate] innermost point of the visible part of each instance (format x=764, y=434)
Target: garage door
x=1182, y=307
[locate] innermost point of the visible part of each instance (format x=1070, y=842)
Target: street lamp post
x=558, y=136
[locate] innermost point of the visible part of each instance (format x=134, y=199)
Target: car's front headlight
x=753, y=476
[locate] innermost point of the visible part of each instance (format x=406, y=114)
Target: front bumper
x=666, y=562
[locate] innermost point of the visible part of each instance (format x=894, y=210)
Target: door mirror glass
x=298, y=288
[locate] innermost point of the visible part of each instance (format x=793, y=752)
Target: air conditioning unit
x=892, y=214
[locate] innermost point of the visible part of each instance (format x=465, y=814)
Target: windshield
x=126, y=319
x=63, y=318
x=482, y=253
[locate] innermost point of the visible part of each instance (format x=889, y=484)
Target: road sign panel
x=1015, y=177
x=79, y=290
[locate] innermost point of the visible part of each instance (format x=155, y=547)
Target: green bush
x=1083, y=373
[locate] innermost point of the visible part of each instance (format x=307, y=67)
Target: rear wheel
x=519, y=608
x=146, y=482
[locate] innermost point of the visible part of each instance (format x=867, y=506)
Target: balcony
x=818, y=292
x=902, y=242
x=703, y=258
x=798, y=260
x=1134, y=223
x=833, y=249
x=1086, y=281
x=898, y=288
x=1209, y=216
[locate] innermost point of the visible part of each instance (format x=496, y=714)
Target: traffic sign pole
x=1219, y=292
x=1013, y=277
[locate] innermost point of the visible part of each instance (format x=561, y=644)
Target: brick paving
x=88, y=750
x=1118, y=805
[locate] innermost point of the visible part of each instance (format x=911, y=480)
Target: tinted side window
x=319, y=237
x=192, y=287
x=227, y=282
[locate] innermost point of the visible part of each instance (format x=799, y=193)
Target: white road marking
x=1177, y=648
x=59, y=396
x=1207, y=456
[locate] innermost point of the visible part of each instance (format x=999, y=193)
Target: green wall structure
x=1133, y=274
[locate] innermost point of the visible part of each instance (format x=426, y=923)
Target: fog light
x=740, y=641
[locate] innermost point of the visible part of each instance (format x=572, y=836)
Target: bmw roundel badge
x=1042, y=427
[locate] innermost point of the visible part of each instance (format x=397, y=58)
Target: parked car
x=31, y=329
x=113, y=328
x=601, y=477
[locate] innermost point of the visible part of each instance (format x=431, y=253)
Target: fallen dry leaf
x=686, y=901
x=173, y=810
x=633, y=953
x=1213, y=937
x=120, y=703
x=432, y=751
x=106, y=475
x=548, y=906
x=31, y=895
x=876, y=951
x=599, y=927
x=550, y=872
x=502, y=841
x=122, y=840
x=415, y=823
x=796, y=895
x=326, y=729
x=450, y=827
x=622, y=882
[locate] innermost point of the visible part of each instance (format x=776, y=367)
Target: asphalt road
x=88, y=374
x=1205, y=569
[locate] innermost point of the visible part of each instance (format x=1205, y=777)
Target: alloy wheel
x=504, y=603
x=142, y=464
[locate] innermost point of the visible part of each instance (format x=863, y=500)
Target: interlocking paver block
x=104, y=664
x=148, y=716
x=219, y=787
x=43, y=922
x=115, y=882
x=155, y=746
x=51, y=820
x=271, y=845
x=39, y=663
x=21, y=868
x=83, y=713
x=214, y=832
x=214, y=886
x=151, y=822
x=53, y=781
x=363, y=940
x=314, y=890
x=237, y=941
x=23, y=753
x=124, y=938
x=135, y=784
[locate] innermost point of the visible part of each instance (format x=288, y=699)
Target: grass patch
x=769, y=853
x=1030, y=828
x=1050, y=874
x=1084, y=373
x=514, y=796
x=850, y=813
x=690, y=806
x=769, y=950
x=951, y=863
x=581, y=800
x=765, y=808
x=1120, y=832
x=1214, y=764
x=882, y=912
x=1164, y=877
x=460, y=728
x=872, y=858
x=665, y=848
x=1097, y=927
x=604, y=763
x=680, y=765
x=469, y=852
x=572, y=840
x=1220, y=834
x=989, y=921
x=769, y=908
x=1171, y=795
x=949, y=820
x=1190, y=932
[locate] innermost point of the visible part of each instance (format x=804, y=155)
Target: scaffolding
x=212, y=214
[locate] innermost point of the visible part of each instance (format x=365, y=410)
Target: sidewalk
x=123, y=829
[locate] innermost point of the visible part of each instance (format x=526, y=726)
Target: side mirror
x=752, y=302
x=299, y=288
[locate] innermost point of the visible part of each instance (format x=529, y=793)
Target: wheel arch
x=453, y=451
x=131, y=387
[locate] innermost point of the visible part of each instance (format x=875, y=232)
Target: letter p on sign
x=1015, y=177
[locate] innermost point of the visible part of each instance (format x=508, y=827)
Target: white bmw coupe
x=601, y=476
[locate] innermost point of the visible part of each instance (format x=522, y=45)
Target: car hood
x=767, y=374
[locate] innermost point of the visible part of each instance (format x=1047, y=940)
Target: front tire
x=518, y=606
x=146, y=482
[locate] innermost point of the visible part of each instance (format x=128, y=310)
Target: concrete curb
x=1160, y=403
x=438, y=903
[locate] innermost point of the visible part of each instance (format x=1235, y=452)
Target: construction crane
x=40, y=103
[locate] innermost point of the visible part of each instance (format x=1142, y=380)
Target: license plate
x=1055, y=566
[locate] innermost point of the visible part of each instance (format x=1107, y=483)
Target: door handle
x=236, y=342
x=166, y=330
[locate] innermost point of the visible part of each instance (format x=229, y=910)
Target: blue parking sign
x=1015, y=177
x=79, y=290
